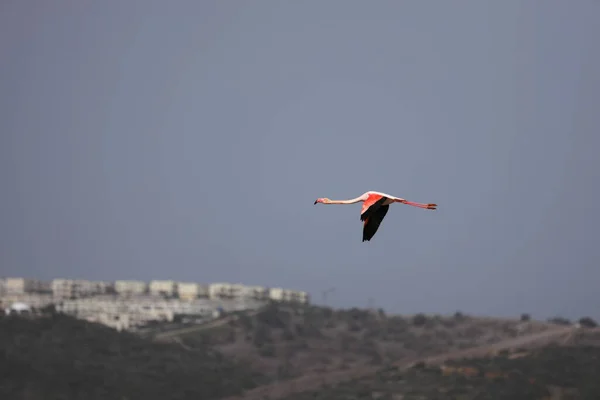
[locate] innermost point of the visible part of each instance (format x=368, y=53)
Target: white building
x=125, y=320
x=18, y=308
x=127, y=313
x=131, y=287
x=225, y=290
x=255, y=292
x=190, y=290
x=70, y=288
x=35, y=300
x=279, y=294
x=303, y=297
x=64, y=288
x=25, y=285
x=103, y=287
x=163, y=288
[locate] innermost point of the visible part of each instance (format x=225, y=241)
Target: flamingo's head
x=321, y=200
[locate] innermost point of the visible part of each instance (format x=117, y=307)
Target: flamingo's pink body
x=375, y=207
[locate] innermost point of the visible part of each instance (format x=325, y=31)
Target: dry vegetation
x=58, y=357
x=550, y=373
x=285, y=342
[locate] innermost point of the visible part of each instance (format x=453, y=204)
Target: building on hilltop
x=126, y=287
x=73, y=288
x=136, y=311
x=288, y=295
x=25, y=285
x=18, y=308
x=220, y=290
x=163, y=288
x=101, y=287
x=255, y=292
x=35, y=300
x=225, y=290
x=63, y=288
x=191, y=291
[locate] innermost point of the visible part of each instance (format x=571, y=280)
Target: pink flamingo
x=374, y=209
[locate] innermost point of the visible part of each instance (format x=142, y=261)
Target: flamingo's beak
x=315, y=202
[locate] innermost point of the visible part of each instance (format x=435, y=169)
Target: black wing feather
x=371, y=210
x=372, y=225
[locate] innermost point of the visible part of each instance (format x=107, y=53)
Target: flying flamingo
x=374, y=209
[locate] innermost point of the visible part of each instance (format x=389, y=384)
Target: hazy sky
x=188, y=140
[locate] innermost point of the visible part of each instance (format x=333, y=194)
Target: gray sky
x=188, y=140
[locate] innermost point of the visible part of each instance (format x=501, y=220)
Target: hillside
x=553, y=372
x=59, y=357
x=284, y=342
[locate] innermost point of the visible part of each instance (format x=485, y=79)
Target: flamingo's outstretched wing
x=372, y=221
x=371, y=204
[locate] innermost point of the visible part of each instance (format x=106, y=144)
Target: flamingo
x=374, y=209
